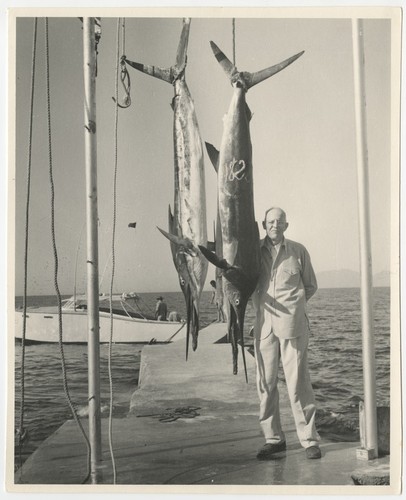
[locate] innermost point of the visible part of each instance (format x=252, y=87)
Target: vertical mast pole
x=368, y=347
x=89, y=53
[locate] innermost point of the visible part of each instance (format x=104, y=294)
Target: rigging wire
x=51, y=180
x=21, y=433
x=234, y=41
x=76, y=265
x=104, y=271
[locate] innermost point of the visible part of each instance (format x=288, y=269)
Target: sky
x=302, y=132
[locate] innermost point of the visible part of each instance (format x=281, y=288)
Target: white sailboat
x=130, y=325
x=86, y=318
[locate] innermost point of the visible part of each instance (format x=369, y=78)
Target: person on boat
x=161, y=309
x=218, y=300
x=281, y=332
x=174, y=316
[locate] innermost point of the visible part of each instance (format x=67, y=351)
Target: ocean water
x=335, y=361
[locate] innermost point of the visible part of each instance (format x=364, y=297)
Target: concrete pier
x=195, y=423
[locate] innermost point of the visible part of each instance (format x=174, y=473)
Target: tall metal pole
x=368, y=347
x=89, y=55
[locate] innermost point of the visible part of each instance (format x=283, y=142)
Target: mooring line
x=55, y=253
x=21, y=431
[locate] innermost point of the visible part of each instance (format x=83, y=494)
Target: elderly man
x=281, y=330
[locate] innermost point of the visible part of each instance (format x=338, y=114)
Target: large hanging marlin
x=240, y=259
x=187, y=225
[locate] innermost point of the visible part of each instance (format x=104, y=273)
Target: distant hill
x=345, y=278
x=382, y=278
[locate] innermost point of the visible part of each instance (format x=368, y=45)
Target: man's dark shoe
x=313, y=452
x=269, y=449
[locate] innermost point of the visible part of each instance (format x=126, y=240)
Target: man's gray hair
x=273, y=208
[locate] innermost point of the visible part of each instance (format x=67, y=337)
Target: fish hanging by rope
x=187, y=224
x=240, y=252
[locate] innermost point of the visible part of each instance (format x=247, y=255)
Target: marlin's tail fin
x=247, y=79
x=171, y=74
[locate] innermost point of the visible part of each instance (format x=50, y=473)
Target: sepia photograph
x=203, y=251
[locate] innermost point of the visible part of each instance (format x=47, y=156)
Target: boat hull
x=43, y=326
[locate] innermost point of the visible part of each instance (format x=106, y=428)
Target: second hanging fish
x=187, y=224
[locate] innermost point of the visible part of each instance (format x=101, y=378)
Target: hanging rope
x=123, y=36
x=20, y=431
x=126, y=83
x=124, y=75
x=113, y=253
x=58, y=294
x=234, y=41
x=172, y=414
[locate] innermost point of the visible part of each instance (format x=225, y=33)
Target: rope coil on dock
x=172, y=414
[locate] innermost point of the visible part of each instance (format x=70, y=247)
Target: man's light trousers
x=293, y=353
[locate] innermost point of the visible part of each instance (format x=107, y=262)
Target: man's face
x=275, y=225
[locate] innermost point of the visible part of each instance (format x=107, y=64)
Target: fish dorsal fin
x=213, y=258
x=213, y=155
x=248, y=112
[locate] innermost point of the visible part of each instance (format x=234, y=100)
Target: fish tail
x=165, y=74
x=174, y=72
x=246, y=78
x=181, y=56
x=259, y=76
